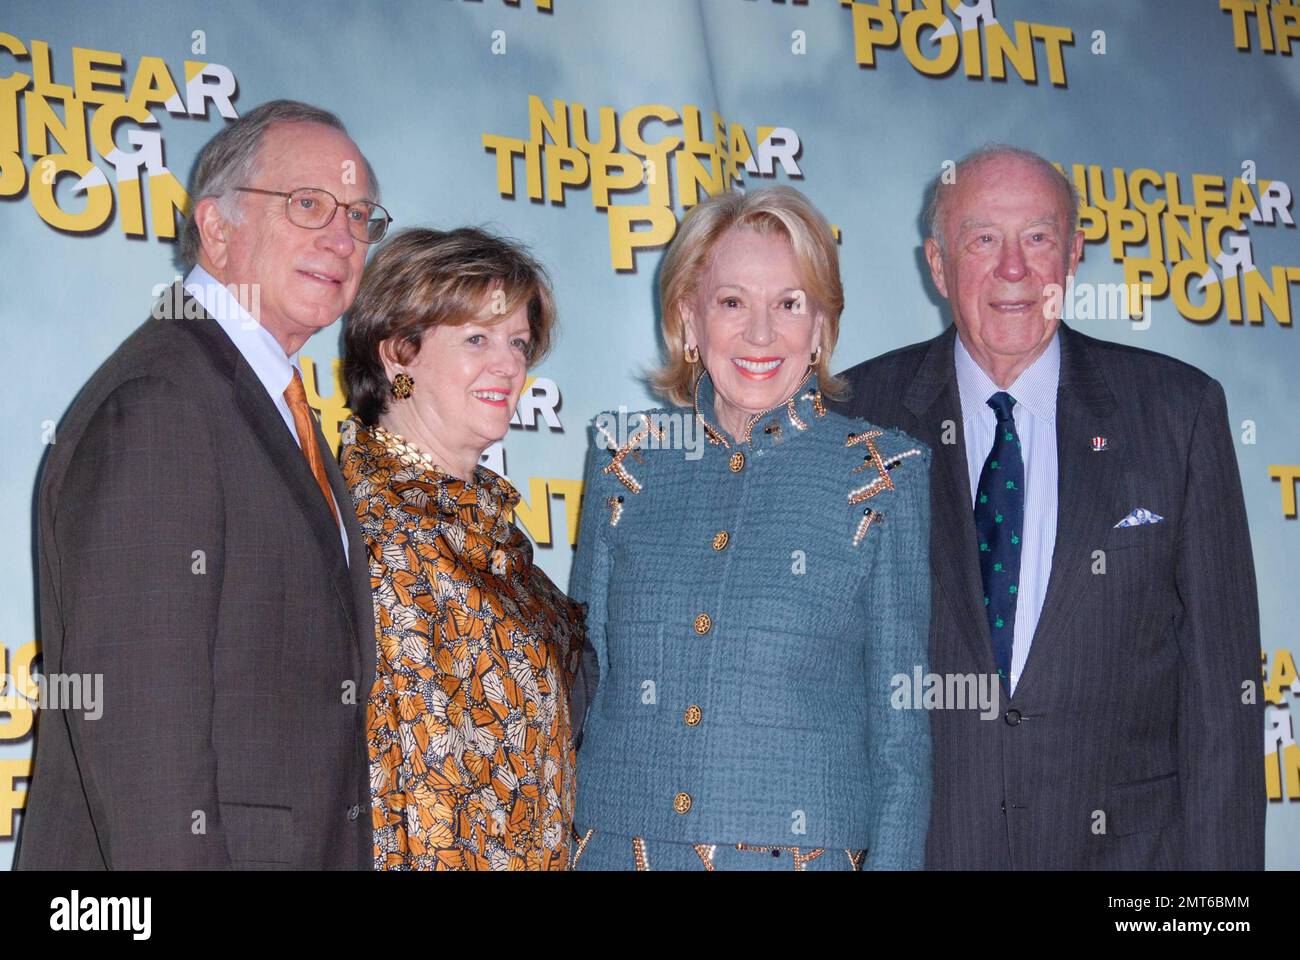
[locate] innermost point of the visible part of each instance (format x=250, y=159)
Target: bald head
x=1005, y=241
x=1014, y=162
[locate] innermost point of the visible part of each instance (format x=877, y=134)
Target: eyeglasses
x=314, y=209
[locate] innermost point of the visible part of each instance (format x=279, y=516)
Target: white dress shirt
x=1035, y=416
x=262, y=351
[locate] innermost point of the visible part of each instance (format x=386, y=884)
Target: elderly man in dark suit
x=198, y=547
x=1089, y=547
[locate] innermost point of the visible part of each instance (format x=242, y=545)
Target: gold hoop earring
x=403, y=385
x=817, y=356
x=691, y=353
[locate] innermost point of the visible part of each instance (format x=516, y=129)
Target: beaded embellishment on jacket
x=718, y=438
x=869, y=517
x=616, y=466
x=796, y=421
x=873, y=459
x=879, y=483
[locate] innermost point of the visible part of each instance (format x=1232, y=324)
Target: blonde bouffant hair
x=778, y=209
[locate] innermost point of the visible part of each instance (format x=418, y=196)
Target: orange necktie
x=296, y=397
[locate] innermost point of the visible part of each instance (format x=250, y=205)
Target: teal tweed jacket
x=747, y=611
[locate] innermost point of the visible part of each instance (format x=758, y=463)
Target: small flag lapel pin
x=1098, y=444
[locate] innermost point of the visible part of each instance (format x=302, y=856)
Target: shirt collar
x=262, y=351
x=1034, y=389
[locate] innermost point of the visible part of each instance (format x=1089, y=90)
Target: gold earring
x=403, y=385
x=691, y=353
x=817, y=356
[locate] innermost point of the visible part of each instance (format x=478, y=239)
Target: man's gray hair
x=228, y=160
x=940, y=191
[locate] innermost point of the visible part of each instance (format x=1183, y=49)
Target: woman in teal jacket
x=756, y=572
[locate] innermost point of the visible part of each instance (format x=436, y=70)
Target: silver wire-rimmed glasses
x=314, y=209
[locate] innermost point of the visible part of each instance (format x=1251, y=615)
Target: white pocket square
x=1139, y=516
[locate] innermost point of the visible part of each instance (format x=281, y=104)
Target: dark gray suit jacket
x=1126, y=744
x=234, y=680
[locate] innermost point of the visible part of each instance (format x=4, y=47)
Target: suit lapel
x=1088, y=485
x=261, y=413
x=358, y=564
x=262, y=416
x=933, y=399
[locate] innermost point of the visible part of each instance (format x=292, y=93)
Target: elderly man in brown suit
x=198, y=549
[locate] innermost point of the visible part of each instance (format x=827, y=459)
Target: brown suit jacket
x=185, y=553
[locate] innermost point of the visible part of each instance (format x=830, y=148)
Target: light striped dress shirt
x=1035, y=415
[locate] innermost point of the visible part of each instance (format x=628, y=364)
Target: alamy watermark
x=221, y=301
x=1099, y=301
x=945, y=691
x=75, y=913
x=83, y=692
x=653, y=430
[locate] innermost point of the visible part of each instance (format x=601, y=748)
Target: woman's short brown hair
x=420, y=279
x=777, y=209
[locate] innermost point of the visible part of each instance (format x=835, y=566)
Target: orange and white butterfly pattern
x=472, y=764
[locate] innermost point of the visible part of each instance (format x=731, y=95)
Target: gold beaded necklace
x=406, y=452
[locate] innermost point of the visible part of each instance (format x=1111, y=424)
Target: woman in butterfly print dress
x=471, y=754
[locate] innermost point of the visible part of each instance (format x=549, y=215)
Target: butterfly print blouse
x=471, y=753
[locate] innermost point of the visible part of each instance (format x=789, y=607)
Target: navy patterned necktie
x=999, y=527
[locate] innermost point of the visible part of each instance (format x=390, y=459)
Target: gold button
x=737, y=462
x=720, y=539
x=703, y=623
x=682, y=803
x=693, y=715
